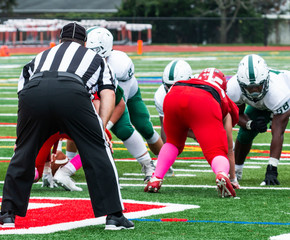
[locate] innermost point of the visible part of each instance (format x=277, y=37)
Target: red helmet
x=214, y=75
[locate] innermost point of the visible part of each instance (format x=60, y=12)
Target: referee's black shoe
x=117, y=223
x=7, y=220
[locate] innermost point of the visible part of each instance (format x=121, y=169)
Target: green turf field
x=257, y=213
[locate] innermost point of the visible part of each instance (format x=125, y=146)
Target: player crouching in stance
x=199, y=104
x=263, y=96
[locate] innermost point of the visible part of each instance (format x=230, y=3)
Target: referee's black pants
x=47, y=105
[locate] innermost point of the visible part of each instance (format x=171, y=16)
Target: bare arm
x=118, y=111
x=243, y=118
x=279, y=124
x=96, y=103
x=107, y=105
x=162, y=133
x=231, y=156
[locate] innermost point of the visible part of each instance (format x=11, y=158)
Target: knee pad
x=154, y=138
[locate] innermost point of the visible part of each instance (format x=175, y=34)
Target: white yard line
x=187, y=186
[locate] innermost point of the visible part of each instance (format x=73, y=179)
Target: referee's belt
x=55, y=74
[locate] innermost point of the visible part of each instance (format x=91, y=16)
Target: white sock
x=70, y=167
x=144, y=159
x=239, y=167
x=273, y=161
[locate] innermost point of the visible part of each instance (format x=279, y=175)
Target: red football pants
x=192, y=108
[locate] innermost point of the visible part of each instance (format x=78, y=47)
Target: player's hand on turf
x=259, y=124
x=271, y=176
x=47, y=181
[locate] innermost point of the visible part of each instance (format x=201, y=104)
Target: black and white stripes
x=73, y=58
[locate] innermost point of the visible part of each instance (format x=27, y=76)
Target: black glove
x=271, y=176
x=259, y=124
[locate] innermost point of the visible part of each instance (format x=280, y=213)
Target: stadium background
x=259, y=213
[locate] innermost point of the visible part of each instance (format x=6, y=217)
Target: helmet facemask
x=255, y=92
x=253, y=77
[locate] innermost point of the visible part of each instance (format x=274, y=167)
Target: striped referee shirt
x=73, y=58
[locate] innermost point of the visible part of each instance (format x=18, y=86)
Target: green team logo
x=130, y=73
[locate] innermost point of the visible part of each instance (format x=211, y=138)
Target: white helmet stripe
x=210, y=78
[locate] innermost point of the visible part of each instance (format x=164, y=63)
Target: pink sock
x=74, y=164
x=36, y=176
x=166, y=158
x=220, y=164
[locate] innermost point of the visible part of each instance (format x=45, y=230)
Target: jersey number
x=283, y=109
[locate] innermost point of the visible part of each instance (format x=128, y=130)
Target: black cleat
x=7, y=220
x=271, y=176
x=118, y=223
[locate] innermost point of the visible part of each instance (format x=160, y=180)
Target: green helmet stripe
x=251, y=70
x=91, y=29
x=171, y=71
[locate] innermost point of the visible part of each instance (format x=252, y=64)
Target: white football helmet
x=176, y=70
x=100, y=40
x=253, y=77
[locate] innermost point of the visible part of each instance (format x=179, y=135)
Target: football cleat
x=118, y=223
x=235, y=183
x=239, y=174
x=224, y=185
x=63, y=179
x=170, y=172
x=147, y=168
x=153, y=185
x=271, y=176
x=7, y=220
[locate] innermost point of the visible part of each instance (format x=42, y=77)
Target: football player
x=174, y=71
x=266, y=92
x=101, y=40
x=123, y=129
x=199, y=104
x=180, y=70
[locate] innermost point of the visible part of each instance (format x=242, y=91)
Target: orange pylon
x=52, y=44
x=4, y=51
x=139, y=47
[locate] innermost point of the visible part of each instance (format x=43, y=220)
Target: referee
x=54, y=92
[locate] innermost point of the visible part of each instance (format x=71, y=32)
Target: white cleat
x=239, y=174
x=63, y=179
x=147, y=168
x=170, y=172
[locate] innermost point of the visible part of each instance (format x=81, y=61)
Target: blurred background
x=195, y=22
